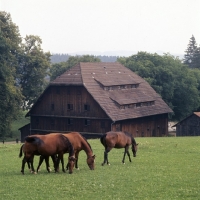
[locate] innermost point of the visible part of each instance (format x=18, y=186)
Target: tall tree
x=191, y=54
x=59, y=68
x=33, y=70
x=10, y=95
x=177, y=84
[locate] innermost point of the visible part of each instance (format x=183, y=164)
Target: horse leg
x=76, y=161
x=40, y=162
x=54, y=159
x=129, y=155
x=32, y=167
x=106, y=157
x=126, y=152
x=29, y=166
x=47, y=163
x=62, y=162
x=23, y=165
x=60, y=157
x=57, y=164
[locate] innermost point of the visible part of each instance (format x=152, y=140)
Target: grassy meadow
x=165, y=168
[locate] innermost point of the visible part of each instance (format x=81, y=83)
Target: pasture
x=165, y=168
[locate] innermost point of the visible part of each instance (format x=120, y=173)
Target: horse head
x=134, y=147
x=91, y=161
x=71, y=162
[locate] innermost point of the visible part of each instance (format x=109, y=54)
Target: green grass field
x=165, y=168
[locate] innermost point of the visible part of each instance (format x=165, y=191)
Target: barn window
x=133, y=86
x=52, y=106
x=138, y=104
x=70, y=121
x=69, y=106
x=86, y=107
x=87, y=122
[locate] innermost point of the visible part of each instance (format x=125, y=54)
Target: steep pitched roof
x=96, y=76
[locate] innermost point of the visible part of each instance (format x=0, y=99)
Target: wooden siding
x=52, y=113
x=25, y=131
x=61, y=96
x=189, y=127
x=153, y=126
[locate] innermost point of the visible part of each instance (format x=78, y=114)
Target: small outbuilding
x=190, y=126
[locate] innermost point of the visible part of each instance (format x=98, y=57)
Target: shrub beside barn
x=94, y=98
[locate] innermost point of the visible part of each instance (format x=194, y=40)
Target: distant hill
x=103, y=56
x=56, y=58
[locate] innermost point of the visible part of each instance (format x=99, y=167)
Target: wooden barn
x=93, y=98
x=190, y=126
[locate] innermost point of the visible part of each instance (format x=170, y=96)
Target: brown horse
x=118, y=140
x=80, y=143
x=48, y=145
x=30, y=161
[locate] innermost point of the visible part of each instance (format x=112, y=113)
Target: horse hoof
x=102, y=164
x=49, y=169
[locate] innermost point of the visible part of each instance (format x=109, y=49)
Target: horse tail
x=20, y=153
x=102, y=139
x=69, y=145
x=34, y=140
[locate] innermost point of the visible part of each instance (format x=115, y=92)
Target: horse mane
x=87, y=142
x=69, y=144
x=34, y=140
x=131, y=136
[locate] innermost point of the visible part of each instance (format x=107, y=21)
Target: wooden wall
x=67, y=109
x=52, y=113
x=189, y=127
x=152, y=126
x=25, y=131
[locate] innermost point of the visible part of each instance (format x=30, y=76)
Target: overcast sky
x=70, y=26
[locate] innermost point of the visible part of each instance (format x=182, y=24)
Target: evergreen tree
x=192, y=54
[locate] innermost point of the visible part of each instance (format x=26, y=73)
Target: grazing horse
x=80, y=143
x=48, y=145
x=118, y=140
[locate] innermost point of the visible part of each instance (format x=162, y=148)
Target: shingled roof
x=99, y=79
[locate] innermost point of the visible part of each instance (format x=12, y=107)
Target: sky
x=108, y=26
